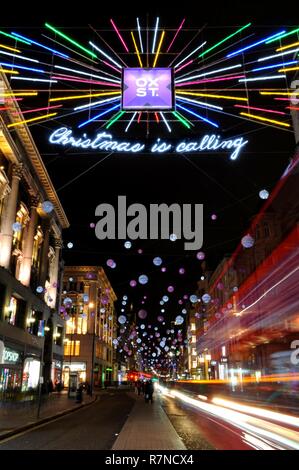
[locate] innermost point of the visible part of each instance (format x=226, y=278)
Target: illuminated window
x=37, y=242
x=82, y=325
x=194, y=364
x=70, y=326
x=12, y=311
x=193, y=327
x=193, y=339
x=193, y=352
x=72, y=348
x=22, y=217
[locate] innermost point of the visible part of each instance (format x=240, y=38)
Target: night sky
x=229, y=189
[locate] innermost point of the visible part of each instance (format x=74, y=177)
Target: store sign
x=147, y=89
x=105, y=142
x=9, y=356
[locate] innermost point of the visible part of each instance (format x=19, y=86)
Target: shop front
x=71, y=367
x=56, y=371
x=11, y=370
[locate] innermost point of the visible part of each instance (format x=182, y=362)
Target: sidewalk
x=18, y=415
x=148, y=428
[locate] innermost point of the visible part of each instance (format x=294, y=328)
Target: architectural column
x=26, y=263
x=44, y=260
x=54, y=274
x=9, y=215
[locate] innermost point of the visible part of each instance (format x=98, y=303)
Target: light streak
x=283, y=36
x=21, y=57
x=45, y=108
x=165, y=122
x=279, y=93
x=260, y=118
x=157, y=117
x=22, y=67
x=111, y=66
x=75, y=97
x=295, y=108
x=255, y=79
x=201, y=103
x=98, y=115
x=130, y=122
x=259, y=109
x=288, y=69
x=159, y=47
x=262, y=59
x=113, y=120
x=30, y=79
x=187, y=57
x=181, y=119
x=25, y=93
x=178, y=30
x=25, y=121
x=31, y=41
x=68, y=78
x=14, y=38
x=60, y=67
x=275, y=66
x=208, y=95
x=197, y=115
x=208, y=73
x=250, y=46
x=210, y=80
x=223, y=40
x=10, y=48
x=183, y=66
x=67, y=38
x=119, y=35
x=155, y=35
x=139, y=33
x=12, y=72
x=264, y=413
x=139, y=117
x=97, y=103
x=105, y=54
x=136, y=49
x=288, y=46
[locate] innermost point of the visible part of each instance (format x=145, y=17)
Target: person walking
x=148, y=391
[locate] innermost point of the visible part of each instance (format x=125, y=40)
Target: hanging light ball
x=247, y=241
x=170, y=289
x=39, y=289
x=193, y=298
x=165, y=298
x=110, y=263
x=200, y=255
x=133, y=283
x=206, y=298
x=142, y=314
x=67, y=301
x=173, y=237
x=127, y=244
x=92, y=225
x=214, y=217
x=47, y=206
x=264, y=194
x=182, y=271
x=179, y=320
x=17, y=227
x=143, y=279
x=160, y=318
x=70, y=245
x=163, y=269
x=122, y=319
x=157, y=261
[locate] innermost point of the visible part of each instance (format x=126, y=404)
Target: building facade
x=31, y=223
x=88, y=307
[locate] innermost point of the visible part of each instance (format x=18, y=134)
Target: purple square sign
x=147, y=89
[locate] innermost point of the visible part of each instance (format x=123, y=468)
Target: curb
x=34, y=424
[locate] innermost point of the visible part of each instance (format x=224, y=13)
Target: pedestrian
x=148, y=391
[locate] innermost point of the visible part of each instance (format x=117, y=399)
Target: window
x=12, y=311
x=70, y=326
x=33, y=323
x=193, y=327
x=193, y=339
x=193, y=352
x=22, y=218
x=82, y=325
x=194, y=364
x=37, y=241
x=72, y=348
x=57, y=336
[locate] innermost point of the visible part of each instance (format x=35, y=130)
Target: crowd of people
x=145, y=388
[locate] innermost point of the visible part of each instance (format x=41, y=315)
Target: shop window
x=72, y=348
x=82, y=325
x=57, y=336
x=70, y=326
x=33, y=323
x=31, y=374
